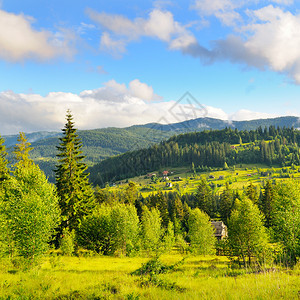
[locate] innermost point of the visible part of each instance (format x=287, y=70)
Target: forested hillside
x=100, y=144
x=211, y=148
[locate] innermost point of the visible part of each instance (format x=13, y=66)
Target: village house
x=220, y=230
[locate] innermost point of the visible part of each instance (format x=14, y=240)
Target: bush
x=30, y=212
x=67, y=242
x=110, y=230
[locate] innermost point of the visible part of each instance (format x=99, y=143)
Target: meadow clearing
x=102, y=277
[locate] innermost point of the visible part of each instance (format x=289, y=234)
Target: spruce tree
x=266, y=200
x=203, y=197
x=21, y=152
x=3, y=161
x=76, y=197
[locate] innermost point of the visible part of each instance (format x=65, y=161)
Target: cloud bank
x=113, y=105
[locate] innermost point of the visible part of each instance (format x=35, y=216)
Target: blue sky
x=118, y=64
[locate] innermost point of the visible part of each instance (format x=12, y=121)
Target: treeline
x=263, y=222
x=205, y=149
x=263, y=225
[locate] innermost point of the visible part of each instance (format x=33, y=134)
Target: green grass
x=102, y=277
x=237, y=177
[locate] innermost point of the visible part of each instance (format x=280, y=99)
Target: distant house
x=264, y=174
x=211, y=176
x=165, y=173
x=169, y=184
x=177, y=178
x=232, y=147
x=220, y=230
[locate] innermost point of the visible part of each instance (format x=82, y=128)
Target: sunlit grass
x=100, y=277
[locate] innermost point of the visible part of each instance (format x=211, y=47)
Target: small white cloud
x=114, y=47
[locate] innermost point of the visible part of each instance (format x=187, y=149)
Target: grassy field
x=102, y=277
x=238, y=178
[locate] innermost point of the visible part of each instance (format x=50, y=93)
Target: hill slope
x=100, y=144
x=211, y=148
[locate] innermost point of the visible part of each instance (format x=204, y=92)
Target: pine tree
x=3, y=161
x=203, y=197
x=251, y=193
x=22, y=150
x=266, y=200
x=226, y=203
x=74, y=190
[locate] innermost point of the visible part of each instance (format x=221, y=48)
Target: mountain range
x=99, y=144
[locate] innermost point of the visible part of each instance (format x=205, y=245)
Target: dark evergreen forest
x=210, y=148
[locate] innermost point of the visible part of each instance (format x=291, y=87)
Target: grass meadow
x=101, y=277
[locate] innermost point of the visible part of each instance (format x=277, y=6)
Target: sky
x=117, y=63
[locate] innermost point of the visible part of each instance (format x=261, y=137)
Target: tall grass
x=100, y=277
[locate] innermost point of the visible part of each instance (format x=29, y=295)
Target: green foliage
x=4, y=173
x=67, y=242
x=151, y=231
x=227, y=200
x=154, y=267
x=76, y=197
x=208, y=148
x=286, y=219
x=169, y=238
x=201, y=233
x=203, y=197
x=110, y=230
x=30, y=210
x=22, y=150
x=265, y=202
x=247, y=237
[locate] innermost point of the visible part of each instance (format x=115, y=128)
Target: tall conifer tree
x=74, y=190
x=3, y=162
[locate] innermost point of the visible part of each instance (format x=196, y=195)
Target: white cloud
x=270, y=40
x=229, y=11
x=160, y=24
x=244, y=114
x=275, y=38
x=114, y=104
x=142, y=91
x=114, y=47
x=224, y=10
x=19, y=40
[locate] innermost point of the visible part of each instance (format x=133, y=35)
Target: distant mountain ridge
x=100, y=144
x=200, y=124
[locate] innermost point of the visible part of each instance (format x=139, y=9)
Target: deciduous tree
x=247, y=236
x=201, y=232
